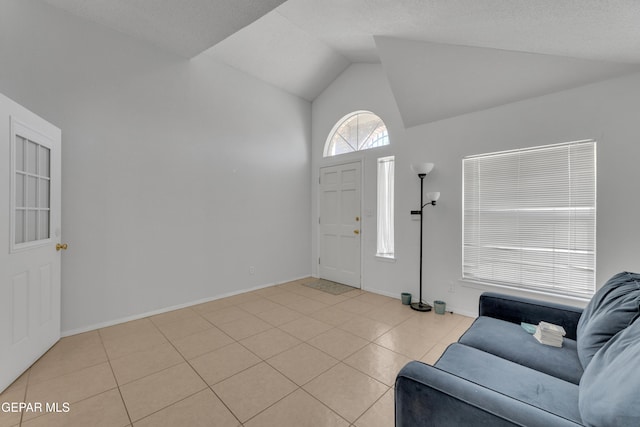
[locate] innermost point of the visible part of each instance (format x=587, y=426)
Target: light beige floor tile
x=184, y=327
x=75, y=370
x=308, y=305
x=327, y=298
x=338, y=343
x=279, y=316
x=378, y=362
x=242, y=298
x=353, y=293
x=305, y=328
x=287, y=287
x=381, y=414
x=203, y=409
x=207, y=307
x=288, y=299
x=173, y=316
x=353, y=306
x=245, y=327
x=130, y=337
x=332, y=316
x=406, y=342
x=319, y=296
x=224, y=362
x=269, y=343
x=104, y=410
x=154, y=392
x=432, y=356
x=374, y=299
x=345, y=390
x=225, y=315
x=203, y=342
x=365, y=328
x=72, y=387
x=258, y=306
x=140, y=364
x=305, y=291
x=427, y=327
x=392, y=313
x=269, y=291
x=253, y=390
x=134, y=327
x=68, y=355
x=302, y=363
x=11, y=395
x=299, y=409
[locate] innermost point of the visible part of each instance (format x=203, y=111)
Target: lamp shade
x=422, y=168
x=433, y=196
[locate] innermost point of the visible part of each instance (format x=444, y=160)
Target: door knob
x=63, y=246
x=356, y=231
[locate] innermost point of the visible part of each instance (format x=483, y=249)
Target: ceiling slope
x=184, y=27
x=433, y=81
x=278, y=52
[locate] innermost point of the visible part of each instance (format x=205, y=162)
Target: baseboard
x=450, y=309
x=113, y=322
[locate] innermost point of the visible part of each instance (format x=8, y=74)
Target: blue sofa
x=499, y=375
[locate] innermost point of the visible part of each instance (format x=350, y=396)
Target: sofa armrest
x=519, y=309
x=428, y=396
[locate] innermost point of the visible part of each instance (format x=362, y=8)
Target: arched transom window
x=357, y=131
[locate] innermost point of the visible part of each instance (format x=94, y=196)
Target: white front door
x=29, y=231
x=340, y=221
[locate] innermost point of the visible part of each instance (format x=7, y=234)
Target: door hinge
x=318, y=260
x=318, y=220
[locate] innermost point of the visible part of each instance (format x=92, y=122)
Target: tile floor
x=286, y=355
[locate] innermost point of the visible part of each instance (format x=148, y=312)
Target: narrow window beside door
x=385, y=207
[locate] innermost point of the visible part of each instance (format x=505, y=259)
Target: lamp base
x=420, y=306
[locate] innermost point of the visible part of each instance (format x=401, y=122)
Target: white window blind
x=529, y=218
x=385, y=207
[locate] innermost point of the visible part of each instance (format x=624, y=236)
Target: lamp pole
x=419, y=306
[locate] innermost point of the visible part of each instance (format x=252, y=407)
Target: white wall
x=178, y=175
x=606, y=111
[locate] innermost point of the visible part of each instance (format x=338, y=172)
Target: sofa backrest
x=613, y=308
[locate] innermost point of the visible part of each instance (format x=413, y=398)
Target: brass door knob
x=63, y=246
x=356, y=231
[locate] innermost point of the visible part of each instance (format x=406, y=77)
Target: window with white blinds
x=529, y=218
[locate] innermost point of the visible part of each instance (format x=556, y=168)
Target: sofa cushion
x=519, y=382
x=609, y=387
x=509, y=341
x=614, y=307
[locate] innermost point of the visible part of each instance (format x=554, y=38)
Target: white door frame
x=330, y=162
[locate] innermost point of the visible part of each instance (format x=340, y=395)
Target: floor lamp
x=422, y=169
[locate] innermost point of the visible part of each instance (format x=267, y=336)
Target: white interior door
x=340, y=221
x=29, y=231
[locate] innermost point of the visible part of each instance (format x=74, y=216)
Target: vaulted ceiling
x=442, y=57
